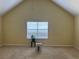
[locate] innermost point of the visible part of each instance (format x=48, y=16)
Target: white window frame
x=38, y=36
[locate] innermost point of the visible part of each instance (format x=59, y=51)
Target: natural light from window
x=38, y=29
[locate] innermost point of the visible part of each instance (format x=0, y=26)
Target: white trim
x=76, y=48
x=1, y=45
x=14, y=44
x=59, y=45
x=43, y=45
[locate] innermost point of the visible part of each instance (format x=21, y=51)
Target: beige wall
x=77, y=31
x=0, y=30
x=60, y=22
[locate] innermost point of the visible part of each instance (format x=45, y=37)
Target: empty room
x=39, y=29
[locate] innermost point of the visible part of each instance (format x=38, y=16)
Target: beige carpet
x=46, y=53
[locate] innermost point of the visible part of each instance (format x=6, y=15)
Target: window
x=38, y=29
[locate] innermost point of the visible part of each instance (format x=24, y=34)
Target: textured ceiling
x=72, y=6
x=6, y=5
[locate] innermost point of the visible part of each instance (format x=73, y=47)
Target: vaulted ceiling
x=72, y=6
x=7, y=5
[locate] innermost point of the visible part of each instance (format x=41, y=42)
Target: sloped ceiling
x=6, y=5
x=72, y=6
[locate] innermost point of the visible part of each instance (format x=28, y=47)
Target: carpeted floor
x=31, y=53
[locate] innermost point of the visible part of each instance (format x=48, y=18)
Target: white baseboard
x=1, y=45
x=43, y=45
x=59, y=45
x=76, y=48
x=14, y=45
